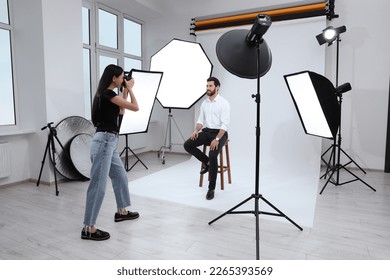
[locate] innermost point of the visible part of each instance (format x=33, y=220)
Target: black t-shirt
x=108, y=113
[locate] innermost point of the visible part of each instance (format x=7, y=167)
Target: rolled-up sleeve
x=201, y=118
x=225, y=116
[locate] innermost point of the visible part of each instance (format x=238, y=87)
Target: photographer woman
x=106, y=108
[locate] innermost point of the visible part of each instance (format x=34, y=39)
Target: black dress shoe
x=98, y=235
x=210, y=195
x=205, y=169
x=123, y=217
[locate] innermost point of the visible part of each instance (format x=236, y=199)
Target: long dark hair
x=109, y=72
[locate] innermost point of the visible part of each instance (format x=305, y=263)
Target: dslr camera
x=127, y=78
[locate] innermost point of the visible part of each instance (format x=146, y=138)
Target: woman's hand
x=129, y=84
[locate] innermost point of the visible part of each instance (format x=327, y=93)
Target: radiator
x=5, y=160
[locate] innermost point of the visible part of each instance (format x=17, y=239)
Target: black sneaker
x=128, y=216
x=98, y=235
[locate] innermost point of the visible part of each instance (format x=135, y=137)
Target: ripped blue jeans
x=105, y=163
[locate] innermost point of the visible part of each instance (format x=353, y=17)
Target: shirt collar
x=215, y=99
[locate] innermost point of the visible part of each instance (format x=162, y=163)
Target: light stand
x=50, y=148
x=126, y=151
x=257, y=40
x=146, y=88
x=335, y=167
x=183, y=63
x=168, y=138
x=332, y=166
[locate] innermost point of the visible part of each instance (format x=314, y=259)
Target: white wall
x=174, y=22
x=158, y=33
x=289, y=159
x=63, y=58
x=28, y=62
x=49, y=85
x=365, y=63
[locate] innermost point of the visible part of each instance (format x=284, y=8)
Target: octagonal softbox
x=186, y=69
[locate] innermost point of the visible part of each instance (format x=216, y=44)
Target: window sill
x=17, y=132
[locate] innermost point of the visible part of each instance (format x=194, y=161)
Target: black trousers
x=205, y=137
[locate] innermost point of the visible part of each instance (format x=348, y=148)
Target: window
x=132, y=33
x=87, y=80
x=105, y=60
x=108, y=29
x=109, y=37
x=4, y=11
x=7, y=104
x=132, y=44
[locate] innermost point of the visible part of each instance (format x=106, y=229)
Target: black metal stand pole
x=257, y=196
x=50, y=148
x=126, y=151
x=333, y=166
x=168, y=137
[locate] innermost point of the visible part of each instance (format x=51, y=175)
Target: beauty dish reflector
x=239, y=57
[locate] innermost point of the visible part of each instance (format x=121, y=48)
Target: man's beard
x=211, y=93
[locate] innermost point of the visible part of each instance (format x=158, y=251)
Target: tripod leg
x=168, y=138
x=358, y=178
x=327, y=181
x=257, y=229
x=328, y=164
x=43, y=160
x=351, y=160
x=280, y=212
x=127, y=159
x=257, y=212
x=164, y=147
x=177, y=127
x=126, y=163
x=53, y=161
x=138, y=160
x=231, y=210
x=322, y=156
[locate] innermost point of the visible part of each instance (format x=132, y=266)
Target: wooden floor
x=352, y=222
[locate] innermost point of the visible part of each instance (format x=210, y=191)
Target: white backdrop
x=290, y=159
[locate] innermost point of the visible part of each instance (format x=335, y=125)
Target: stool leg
x=228, y=163
x=201, y=180
x=221, y=170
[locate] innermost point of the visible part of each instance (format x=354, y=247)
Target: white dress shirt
x=215, y=114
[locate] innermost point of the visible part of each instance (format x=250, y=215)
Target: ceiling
x=146, y=10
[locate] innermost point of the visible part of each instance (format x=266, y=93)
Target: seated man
x=210, y=129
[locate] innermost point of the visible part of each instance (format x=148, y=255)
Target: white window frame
x=9, y=27
x=97, y=50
